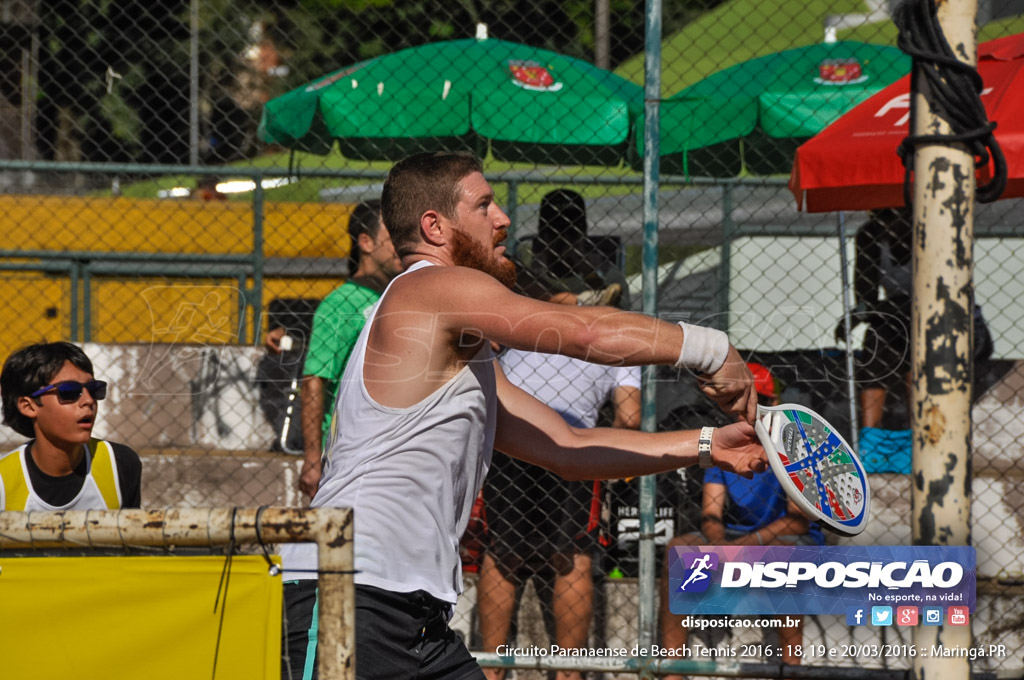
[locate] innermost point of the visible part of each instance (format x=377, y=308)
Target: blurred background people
x=739, y=511
x=540, y=526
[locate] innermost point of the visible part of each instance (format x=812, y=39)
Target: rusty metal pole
x=334, y=534
x=942, y=342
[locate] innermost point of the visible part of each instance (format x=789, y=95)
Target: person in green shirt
x=336, y=325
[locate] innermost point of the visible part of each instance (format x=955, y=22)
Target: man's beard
x=468, y=253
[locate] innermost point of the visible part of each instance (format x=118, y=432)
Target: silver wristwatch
x=704, y=447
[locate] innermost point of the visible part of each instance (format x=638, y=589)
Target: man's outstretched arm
x=533, y=432
x=466, y=301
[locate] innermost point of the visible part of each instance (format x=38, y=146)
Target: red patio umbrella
x=853, y=165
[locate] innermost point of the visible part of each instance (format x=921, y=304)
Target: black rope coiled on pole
x=955, y=89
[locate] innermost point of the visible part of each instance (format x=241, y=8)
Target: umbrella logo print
x=840, y=72
x=530, y=75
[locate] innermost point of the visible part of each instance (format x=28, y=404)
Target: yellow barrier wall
x=171, y=226
x=156, y=308
x=203, y=311
x=138, y=617
x=34, y=307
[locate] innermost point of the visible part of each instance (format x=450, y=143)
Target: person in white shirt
x=540, y=526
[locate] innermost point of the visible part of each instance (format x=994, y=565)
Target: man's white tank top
x=410, y=474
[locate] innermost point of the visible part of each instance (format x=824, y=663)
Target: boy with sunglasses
x=50, y=395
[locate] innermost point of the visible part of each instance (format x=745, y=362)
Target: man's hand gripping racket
x=815, y=466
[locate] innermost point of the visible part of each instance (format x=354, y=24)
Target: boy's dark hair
x=31, y=368
x=421, y=182
x=365, y=219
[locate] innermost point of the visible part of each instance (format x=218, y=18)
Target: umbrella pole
x=851, y=388
x=942, y=367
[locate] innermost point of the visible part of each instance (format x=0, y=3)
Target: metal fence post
x=74, y=273
x=254, y=296
x=725, y=261
x=851, y=388
x=652, y=96
x=86, y=302
x=193, y=83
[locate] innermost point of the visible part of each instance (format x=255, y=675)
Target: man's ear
x=365, y=243
x=433, y=228
x=28, y=407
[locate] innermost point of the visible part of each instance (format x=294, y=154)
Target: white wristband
x=704, y=447
x=704, y=349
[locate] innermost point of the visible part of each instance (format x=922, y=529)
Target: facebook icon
x=855, y=616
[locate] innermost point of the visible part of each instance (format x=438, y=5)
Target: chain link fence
x=177, y=179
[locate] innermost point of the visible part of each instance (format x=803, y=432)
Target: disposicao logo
x=820, y=579
x=699, y=567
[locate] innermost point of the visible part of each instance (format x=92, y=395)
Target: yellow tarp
x=63, y=618
x=153, y=226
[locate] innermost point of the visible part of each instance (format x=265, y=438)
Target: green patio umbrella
x=757, y=112
x=529, y=104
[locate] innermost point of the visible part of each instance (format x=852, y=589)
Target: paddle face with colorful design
x=818, y=470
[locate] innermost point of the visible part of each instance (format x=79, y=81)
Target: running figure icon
x=698, y=571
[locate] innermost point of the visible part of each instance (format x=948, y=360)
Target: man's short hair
x=421, y=182
x=31, y=368
x=365, y=219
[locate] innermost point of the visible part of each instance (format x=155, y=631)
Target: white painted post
x=943, y=365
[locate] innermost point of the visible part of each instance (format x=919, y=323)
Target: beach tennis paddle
x=815, y=466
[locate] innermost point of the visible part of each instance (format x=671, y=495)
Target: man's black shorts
x=399, y=636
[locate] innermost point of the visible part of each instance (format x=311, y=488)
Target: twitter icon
x=881, y=616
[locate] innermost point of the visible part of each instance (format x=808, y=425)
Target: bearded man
x=422, y=403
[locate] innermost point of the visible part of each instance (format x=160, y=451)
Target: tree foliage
x=111, y=80
x=114, y=76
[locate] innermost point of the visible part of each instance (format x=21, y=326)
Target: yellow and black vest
x=100, y=491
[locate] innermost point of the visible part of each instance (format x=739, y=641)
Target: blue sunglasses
x=70, y=391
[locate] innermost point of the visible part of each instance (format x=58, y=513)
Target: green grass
x=734, y=32
x=740, y=30
x=304, y=190
x=885, y=33
x=308, y=189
